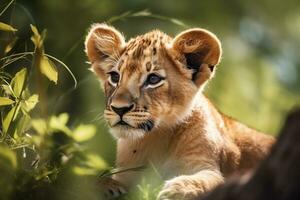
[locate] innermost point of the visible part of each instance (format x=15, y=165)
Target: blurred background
x=257, y=82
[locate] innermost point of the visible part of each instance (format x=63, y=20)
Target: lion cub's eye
x=114, y=77
x=153, y=80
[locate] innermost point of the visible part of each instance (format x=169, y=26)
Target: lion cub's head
x=150, y=81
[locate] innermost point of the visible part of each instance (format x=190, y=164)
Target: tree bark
x=277, y=177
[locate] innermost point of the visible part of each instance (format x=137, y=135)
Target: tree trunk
x=278, y=176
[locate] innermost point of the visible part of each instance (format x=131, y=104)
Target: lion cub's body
x=206, y=139
x=154, y=104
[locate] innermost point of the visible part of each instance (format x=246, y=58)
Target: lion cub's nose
x=122, y=110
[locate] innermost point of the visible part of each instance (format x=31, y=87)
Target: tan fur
x=172, y=124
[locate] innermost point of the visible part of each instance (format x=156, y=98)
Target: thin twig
x=6, y=7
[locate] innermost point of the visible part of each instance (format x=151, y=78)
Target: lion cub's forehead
x=142, y=53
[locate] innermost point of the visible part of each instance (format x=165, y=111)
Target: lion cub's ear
x=200, y=51
x=103, y=42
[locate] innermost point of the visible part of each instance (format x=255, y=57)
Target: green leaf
x=10, y=117
x=84, y=132
x=6, y=27
x=65, y=66
x=96, y=162
x=84, y=171
x=30, y=103
x=36, y=37
x=39, y=125
x=92, y=166
x=59, y=123
x=10, y=45
x=63, y=118
x=48, y=68
x=18, y=81
x=7, y=157
x=4, y=101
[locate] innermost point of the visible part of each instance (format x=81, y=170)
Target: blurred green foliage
x=36, y=148
x=44, y=154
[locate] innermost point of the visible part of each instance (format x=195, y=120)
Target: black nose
x=122, y=110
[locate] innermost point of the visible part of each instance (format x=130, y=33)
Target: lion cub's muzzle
x=122, y=110
x=129, y=117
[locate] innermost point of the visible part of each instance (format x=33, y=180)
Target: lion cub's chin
x=127, y=132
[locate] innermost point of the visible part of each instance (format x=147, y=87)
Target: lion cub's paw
x=111, y=188
x=177, y=189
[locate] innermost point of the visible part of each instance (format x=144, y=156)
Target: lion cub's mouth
x=123, y=123
x=146, y=126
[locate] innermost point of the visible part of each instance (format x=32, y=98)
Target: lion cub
x=155, y=107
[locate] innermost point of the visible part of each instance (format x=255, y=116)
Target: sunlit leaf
x=30, y=103
x=65, y=66
x=59, y=123
x=48, y=68
x=6, y=27
x=5, y=101
x=93, y=165
x=84, y=132
x=63, y=118
x=18, y=81
x=7, y=156
x=39, y=125
x=11, y=115
x=10, y=45
x=35, y=31
x=36, y=37
x=96, y=162
x=83, y=171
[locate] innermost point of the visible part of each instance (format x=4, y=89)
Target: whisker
x=99, y=117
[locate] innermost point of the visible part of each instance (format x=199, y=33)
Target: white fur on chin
x=127, y=133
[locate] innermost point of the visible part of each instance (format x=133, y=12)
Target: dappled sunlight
x=54, y=140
